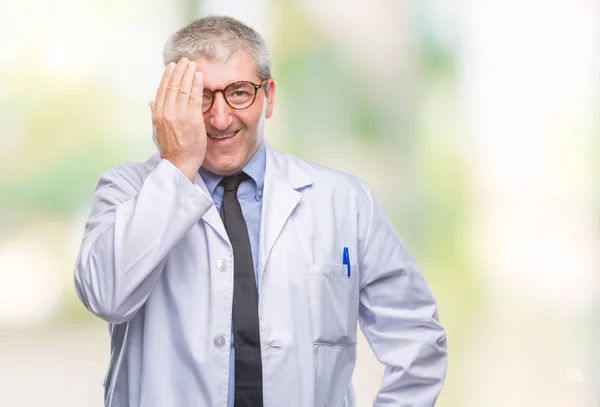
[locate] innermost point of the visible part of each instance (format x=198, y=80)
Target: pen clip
x=346, y=259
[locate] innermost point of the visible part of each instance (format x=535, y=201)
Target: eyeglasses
x=239, y=95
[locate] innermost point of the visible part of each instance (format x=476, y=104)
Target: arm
x=128, y=236
x=131, y=229
x=398, y=316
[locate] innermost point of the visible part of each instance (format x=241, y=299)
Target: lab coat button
x=222, y=264
x=219, y=341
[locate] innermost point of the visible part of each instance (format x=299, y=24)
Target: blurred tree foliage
x=61, y=141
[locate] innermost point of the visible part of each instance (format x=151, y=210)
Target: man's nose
x=219, y=115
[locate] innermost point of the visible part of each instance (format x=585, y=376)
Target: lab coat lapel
x=283, y=180
x=212, y=217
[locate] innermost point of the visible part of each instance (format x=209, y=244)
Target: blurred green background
x=482, y=114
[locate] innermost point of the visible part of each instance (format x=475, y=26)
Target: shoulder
x=130, y=174
x=327, y=180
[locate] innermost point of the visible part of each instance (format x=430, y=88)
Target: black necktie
x=246, y=336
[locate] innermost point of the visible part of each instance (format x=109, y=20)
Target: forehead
x=218, y=74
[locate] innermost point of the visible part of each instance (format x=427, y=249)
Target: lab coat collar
x=284, y=181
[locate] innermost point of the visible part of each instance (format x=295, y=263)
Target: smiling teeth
x=222, y=136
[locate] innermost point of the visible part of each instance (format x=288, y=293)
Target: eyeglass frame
x=222, y=91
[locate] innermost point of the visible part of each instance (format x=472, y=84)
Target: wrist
x=187, y=168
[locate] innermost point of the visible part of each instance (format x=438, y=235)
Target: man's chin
x=222, y=166
x=225, y=163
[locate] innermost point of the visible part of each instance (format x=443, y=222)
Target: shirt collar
x=255, y=168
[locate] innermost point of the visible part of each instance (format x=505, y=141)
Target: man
x=232, y=274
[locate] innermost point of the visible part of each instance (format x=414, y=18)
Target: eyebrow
x=213, y=88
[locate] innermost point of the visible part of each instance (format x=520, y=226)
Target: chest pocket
x=333, y=303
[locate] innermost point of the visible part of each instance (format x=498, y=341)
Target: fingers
x=185, y=88
x=196, y=94
x=173, y=87
x=162, y=88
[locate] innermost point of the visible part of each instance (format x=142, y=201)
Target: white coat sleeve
x=129, y=232
x=398, y=316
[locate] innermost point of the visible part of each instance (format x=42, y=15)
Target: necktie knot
x=232, y=182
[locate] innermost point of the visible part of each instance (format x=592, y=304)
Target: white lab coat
x=156, y=263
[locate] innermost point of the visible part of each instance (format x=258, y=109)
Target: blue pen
x=346, y=259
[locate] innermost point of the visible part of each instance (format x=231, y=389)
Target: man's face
x=225, y=156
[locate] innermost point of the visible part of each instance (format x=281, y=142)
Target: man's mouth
x=223, y=136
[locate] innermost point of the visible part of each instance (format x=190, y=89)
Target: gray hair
x=218, y=38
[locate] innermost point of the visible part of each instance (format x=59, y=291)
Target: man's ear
x=270, y=92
